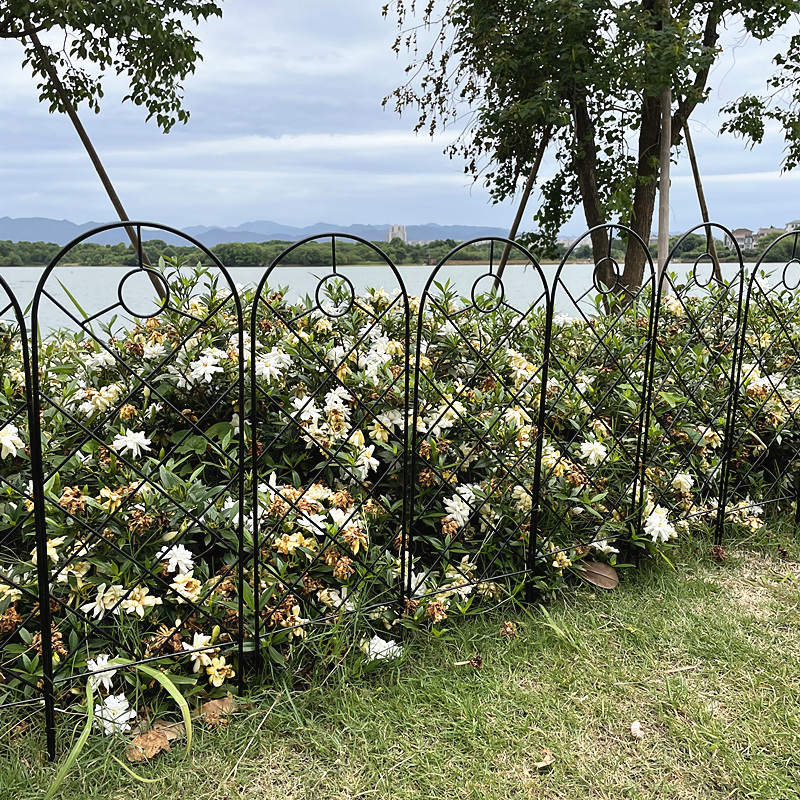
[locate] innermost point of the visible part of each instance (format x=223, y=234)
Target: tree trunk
x=586, y=169
x=644, y=193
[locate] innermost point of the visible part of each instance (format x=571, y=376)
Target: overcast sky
x=287, y=124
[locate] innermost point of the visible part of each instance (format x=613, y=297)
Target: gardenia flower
x=218, y=671
x=10, y=442
x=365, y=462
x=187, y=587
x=139, y=600
x=377, y=648
x=204, y=368
x=153, y=351
x=658, y=527
x=604, y=547
x=593, y=453
x=104, y=678
x=134, y=442
x=711, y=438
x=270, y=367
x=96, y=361
x=200, y=655
x=106, y=600
x=178, y=558
x=683, y=482
x=115, y=714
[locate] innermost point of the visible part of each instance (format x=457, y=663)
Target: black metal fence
x=260, y=465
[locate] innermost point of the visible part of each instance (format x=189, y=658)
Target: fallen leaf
x=636, y=730
x=548, y=759
x=147, y=745
x=598, y=574
x=214, y=710
x=172, y=730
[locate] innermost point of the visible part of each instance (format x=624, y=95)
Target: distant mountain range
x=41, y=229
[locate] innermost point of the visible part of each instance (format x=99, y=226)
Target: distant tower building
x=396, y=232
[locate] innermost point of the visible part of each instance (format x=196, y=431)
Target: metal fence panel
x=138, y=501
x=479, y=373
x=328, y=411
x=596, y=406
x=699, y=322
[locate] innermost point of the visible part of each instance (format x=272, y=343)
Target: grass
x=707, y=659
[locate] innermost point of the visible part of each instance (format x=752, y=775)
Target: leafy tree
x=586, y=77
x=146, y=41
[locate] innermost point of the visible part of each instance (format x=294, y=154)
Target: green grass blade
x=173, y=691
x=75, y=752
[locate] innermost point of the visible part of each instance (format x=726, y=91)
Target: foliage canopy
x=146, y=41
x=587, y=77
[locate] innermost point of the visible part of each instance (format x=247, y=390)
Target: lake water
x=98, y=288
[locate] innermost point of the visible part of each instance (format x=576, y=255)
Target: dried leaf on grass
x=172, y=730
x=548, y=759
x=214, y=712
x=147, y=745
x=598, y=574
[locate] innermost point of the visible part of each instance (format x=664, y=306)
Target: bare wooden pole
x=523, y=201
x=701, y=199
x=95, y=158
x=663, y=178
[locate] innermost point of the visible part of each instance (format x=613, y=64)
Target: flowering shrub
x=146, y=492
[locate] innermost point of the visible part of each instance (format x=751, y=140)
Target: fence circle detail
x=705, y=258
x=341, y=308
x=137, y=276
x=796, y=283
x=602, y=288
x=494, y=286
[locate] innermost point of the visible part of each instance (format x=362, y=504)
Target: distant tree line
x=318, y=253
x=241, y=254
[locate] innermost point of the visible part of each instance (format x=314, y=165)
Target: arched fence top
x=786, y=249
x=143, y=269
x=338, y=270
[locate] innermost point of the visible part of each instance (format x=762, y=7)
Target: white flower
x=366, y=462
x=153, y=351
x=134, y=442
x=187, y=587
x=204, y=368
x=96, y=361
x=683, y=482
x=115, y=714
x=106, y=600
x=10, y=442
x=658, y=526
x=593, y=453
x=270, y=367
x=139, y=600
x=377, y=648
x=604, y=547
x=458, y=510
x=178, y=558
x=200, y=652
x=100, y=664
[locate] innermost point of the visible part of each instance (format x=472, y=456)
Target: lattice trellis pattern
x=19, y=597
x=765, y=446
x=329, y=405
x=596, y=406
x=473, y=507
x=141, y=467
x=694, y=384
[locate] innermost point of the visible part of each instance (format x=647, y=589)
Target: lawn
x=706, y=658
